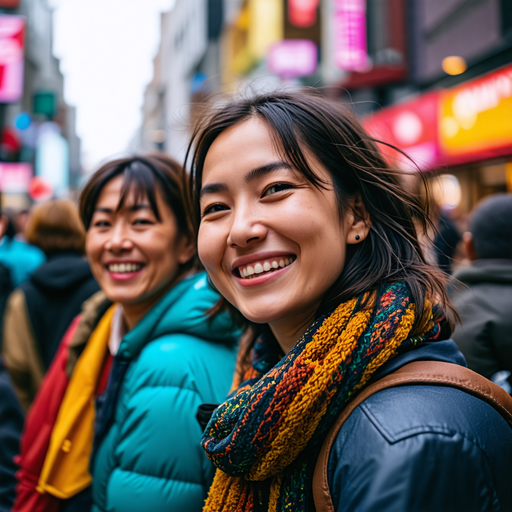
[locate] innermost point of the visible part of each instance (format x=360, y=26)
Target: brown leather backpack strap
x=418, y=372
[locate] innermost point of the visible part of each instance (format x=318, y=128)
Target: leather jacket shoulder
x=422, y=448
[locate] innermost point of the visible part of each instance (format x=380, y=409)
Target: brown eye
x=214, y=208
x=277, y=187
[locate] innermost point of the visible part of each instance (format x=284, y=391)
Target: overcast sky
x=106, y=49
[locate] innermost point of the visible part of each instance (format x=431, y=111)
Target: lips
x=263, y=266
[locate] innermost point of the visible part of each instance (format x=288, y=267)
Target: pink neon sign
x=293, y=58
x=12, y=35
x=350, y=51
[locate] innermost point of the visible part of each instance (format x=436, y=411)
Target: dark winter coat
x=11, y=423
x=483, y=299
x=38, y=314
x=54, y=296
x=422, y=448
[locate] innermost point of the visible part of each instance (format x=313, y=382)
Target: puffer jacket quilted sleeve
x=150, y=457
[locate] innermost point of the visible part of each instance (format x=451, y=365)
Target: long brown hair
x=301, y=121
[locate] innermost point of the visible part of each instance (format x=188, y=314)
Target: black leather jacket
x=422, y=448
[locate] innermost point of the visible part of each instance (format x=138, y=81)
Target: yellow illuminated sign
x=477, y=116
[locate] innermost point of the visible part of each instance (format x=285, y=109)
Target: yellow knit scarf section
x=331, y=345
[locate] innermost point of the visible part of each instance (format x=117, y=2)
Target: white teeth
x=121, y=268
x=258, y=268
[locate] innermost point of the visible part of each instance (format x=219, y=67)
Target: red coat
x=37, y=433
x=39, y=425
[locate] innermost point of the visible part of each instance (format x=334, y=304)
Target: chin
x=260, y=314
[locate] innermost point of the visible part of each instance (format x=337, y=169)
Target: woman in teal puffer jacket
x=147, y=453
x=144, y=356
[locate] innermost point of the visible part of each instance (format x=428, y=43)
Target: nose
x=246, y=228
x=119, y=240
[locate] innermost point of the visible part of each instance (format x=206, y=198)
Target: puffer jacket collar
x=184, y=309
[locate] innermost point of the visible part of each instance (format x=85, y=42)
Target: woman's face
x=271, y=242
x=134, y=257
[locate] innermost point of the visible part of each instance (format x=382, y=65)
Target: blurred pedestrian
x=20, y=258
x=440, y=240
x=141, y=360
x=483, y=296
x=20, y=224
x=306, y=232
x=11, y=423
x=41, y=309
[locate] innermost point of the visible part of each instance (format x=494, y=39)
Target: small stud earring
x=357, y=237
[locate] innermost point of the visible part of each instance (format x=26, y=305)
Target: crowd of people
x=269, y=326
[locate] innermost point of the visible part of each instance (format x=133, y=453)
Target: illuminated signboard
x=15, y=177
x=302, y=13
x=411, y=127
x=9, y=4
x=476, y=118
x=293, y=58
x=350, y=52
x=12, y=35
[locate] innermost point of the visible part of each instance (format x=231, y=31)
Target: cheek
x=209, y=247
x=92, y=249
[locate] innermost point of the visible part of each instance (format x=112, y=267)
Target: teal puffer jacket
x=149, y=456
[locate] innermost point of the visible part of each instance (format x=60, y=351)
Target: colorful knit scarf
x=264, y=440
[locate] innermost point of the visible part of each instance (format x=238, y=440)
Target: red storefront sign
x=9, y=4
x=302, y=13
x=468, y=123
x=411, y=127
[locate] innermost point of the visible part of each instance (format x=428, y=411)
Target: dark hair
x=491, y=227
x=144, y=175
x=329, y=130
x=54, y=226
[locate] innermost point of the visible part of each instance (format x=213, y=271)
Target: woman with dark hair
x=140, y=360
x=40, y=310
x=307, y=234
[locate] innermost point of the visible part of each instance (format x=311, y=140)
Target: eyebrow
x=252, y=175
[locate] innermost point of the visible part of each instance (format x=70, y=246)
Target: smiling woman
x=307, y=233
x=142, y=359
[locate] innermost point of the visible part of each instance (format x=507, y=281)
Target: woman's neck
x=134, y=312
x=288, y=331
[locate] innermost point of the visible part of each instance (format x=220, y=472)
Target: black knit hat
x=491, y=227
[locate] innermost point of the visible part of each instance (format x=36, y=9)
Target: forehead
x=246, y=145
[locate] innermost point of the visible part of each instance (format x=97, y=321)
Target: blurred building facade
x=433, y=77
x=186, y=74
x=41, y=120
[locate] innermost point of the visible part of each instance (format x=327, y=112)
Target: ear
x=187, y=249
x=467, y=238
x=357, y=222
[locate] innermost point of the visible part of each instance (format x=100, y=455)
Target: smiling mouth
x=124, y=268
x=259, y=268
